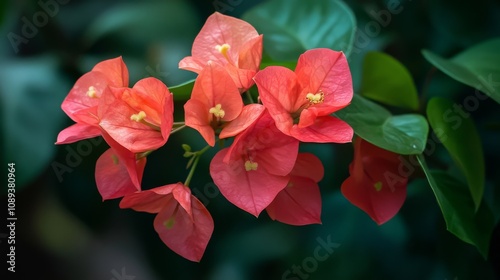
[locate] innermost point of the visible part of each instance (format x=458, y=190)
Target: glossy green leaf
x=461, y=139
x=471, y=226
x=402, y=134
x=183, y=91
x=31, y=92
x=291, y=27
x=387, y=80
x=476, y=67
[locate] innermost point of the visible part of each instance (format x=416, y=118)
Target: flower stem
x=177, y=129
x=197, y=156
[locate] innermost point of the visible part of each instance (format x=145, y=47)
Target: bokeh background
x=65, y=231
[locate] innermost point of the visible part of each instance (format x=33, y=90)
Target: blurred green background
x=65, y=228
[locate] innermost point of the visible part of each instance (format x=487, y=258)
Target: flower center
x=250, y=165
x=223, y=49
x=138, y=117
x=217, y=111
x=92, y=93
x=315, y=98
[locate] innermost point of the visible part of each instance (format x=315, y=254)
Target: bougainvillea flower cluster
x=262, y=168
x=375, y=185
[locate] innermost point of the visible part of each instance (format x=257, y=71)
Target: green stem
x=177, y=129
x=143, y=154
x=155, y=127
x=197, y=156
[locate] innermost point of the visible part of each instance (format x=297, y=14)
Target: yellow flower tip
x=223, y=49
x=378, y=186
x=217, y=111
x=250, y=165
x=92, y=93
x=169, y=223
x=138, y=117
x=115, y=159
x=316, y=98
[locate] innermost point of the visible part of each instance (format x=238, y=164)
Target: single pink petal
x=278, y=159
x=326, y=129
x=154, y=98
x=147, y=95
x=115, y=70
x=298, y=204
x=278, y=90
x=327, y=71
x=249, y=114
x=77, y=132
x=150, y=201
x=187, y=236
x=251, y=54
x=264, y=144
x=216, y=87
x=219, y=30
x=308, y=166
x=197, y=117
x=192, y=64
x=135, y=168
x=242, y=78
x=252, y=190
x=85, y=94
x=182, y=194
x=112, y=177
x=115, y=118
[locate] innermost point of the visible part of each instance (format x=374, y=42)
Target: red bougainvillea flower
x=300, y=202
x=112, y=176
x=301, y=102
x=82, y=101
x=230, y=42
x=183, y=223
x=118, y=171
x=254, y=169
x=215, y=100
x=139, y=118
x=375, y=184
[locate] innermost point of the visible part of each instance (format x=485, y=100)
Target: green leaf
x=183, y=91
x=476, y=67
x=459, y=211
x=291, y=27
x=461, y=139
x=31, y=92
x=386, y=80
x=402, y=134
